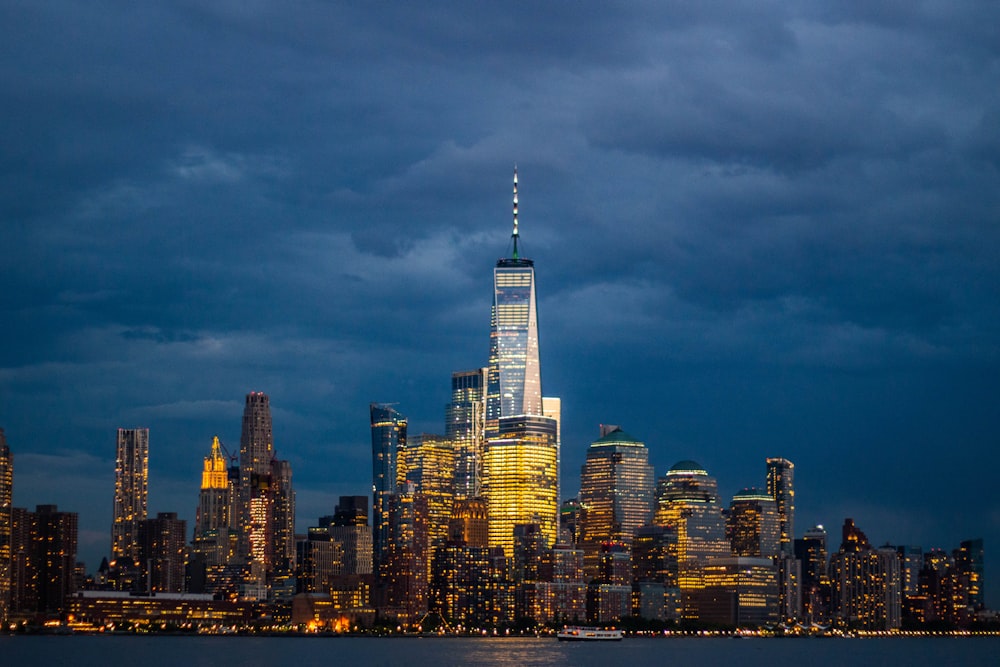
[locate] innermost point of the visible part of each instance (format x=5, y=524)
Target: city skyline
x=760, y=232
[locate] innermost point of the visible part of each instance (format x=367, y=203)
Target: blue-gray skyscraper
x=388, y=437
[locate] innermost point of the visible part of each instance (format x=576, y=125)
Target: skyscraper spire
x=514, y=234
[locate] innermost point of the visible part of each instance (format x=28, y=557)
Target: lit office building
x=911, y=559
x=464, y=426
x=811, y=551
x=866, y=583
x=350, y=528
x=131, y=492
x=215, y=539
x=266, y=509
x=283, y=517
x=569, y=521
x=687, y=499
x=781, y=487
x=969, y=560
x=318, y=560
x=6, y=525
x=388, y=429
x=469, y=523
x=428, y=462
x=43, y=545
x=654, y=555
x=461, y=588
x=753, y=525
x=406, y=579
x=740, y=591
x=616, y=491
x=560, y=595
x=520, y=473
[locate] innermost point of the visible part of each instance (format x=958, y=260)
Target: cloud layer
x=758, y=231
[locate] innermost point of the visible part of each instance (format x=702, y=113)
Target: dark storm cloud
x=764, y=229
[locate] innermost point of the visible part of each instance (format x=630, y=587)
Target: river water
x=174, y=651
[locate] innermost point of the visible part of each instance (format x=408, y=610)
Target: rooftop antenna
x=514, y=234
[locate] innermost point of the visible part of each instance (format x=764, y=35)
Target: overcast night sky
x=759, y=229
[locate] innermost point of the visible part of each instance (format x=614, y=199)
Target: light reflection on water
x=166, y=651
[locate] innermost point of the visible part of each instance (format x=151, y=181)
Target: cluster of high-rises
x=469, y=528
x=244, y=536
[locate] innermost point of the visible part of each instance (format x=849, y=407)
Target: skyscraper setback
x=131, y=492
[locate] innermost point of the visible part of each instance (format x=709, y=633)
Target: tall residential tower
x=6, y=524
x=131, y=492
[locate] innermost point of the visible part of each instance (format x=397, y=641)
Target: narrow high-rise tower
x=6, y=524
x=256, y=452
x=781, y=487
x=464, y=427
x=388, y=437
x=514, y=380
x=521, y=455
x=131, y=492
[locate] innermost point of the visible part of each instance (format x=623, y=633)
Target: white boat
x=578, y=633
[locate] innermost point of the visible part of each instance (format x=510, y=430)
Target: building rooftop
x=617, y=437
x=687, y=465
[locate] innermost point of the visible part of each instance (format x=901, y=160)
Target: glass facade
x=688, y=500
x=753, y=524
x=520, y=486
x=464, y=426
x=616, y=489
x=781, y=487
x=388, y=437
x=514, y=384
x=428, y=462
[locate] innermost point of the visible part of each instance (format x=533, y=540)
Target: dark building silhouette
x=162, y=553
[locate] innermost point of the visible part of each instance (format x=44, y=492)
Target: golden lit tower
x=214, y=500
x=131, y=492
x=520, y=470
x=521, y=457
x=428, y=462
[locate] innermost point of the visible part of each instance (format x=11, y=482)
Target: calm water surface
x=129, y=651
